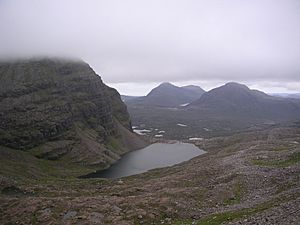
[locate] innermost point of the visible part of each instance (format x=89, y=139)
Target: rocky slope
x=60, y=109
x=248, y=178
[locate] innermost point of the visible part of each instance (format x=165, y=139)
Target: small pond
x=154, y=156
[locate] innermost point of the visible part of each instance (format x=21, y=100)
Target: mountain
x=221, y=111
x=169, y=95
x=233, y=99
x=60, y=109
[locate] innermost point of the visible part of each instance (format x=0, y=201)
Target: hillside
x=60, y=109
x=249, y=178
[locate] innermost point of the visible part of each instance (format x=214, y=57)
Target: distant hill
x=224, y=110
x=287, y=95
x=235, y=99
x=126, y=98
x=169, y=95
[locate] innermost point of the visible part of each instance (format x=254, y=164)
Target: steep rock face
x=60, y=108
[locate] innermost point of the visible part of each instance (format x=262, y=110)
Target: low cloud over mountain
x=254, y=42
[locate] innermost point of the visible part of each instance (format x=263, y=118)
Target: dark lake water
x=154, y=156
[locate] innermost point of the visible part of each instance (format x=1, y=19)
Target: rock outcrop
x=61, y=109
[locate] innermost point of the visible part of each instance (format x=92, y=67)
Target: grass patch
x=237, y=191
x=113, y=143
x=293, y=159
x=22, y=166
x=281, y=149
x=219, y=218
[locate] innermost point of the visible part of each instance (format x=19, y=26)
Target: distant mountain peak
x=191, y=86
x=166, y=84
x=195, y=88
x=168, y=95
x=235, y=85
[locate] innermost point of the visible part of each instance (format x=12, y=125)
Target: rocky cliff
x=61, y=110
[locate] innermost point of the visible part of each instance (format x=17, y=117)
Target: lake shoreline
x=157, y=155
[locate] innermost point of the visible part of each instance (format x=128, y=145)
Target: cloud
x=252, y=41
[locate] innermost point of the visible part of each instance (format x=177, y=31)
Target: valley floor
x=248, y=178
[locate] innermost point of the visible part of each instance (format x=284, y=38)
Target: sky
x=136, y=44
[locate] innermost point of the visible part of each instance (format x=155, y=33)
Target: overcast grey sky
x=136, y=44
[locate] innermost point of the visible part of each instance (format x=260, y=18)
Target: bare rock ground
x=248, y=178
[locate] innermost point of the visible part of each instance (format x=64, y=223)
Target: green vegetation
x=113, y=143
x=219, y=218
x=280, y=148
x=22, y=166
x=237, y=192
x=293, y=159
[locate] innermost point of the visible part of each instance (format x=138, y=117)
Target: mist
x=142, y=43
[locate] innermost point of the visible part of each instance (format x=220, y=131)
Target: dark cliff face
x=61, y=108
